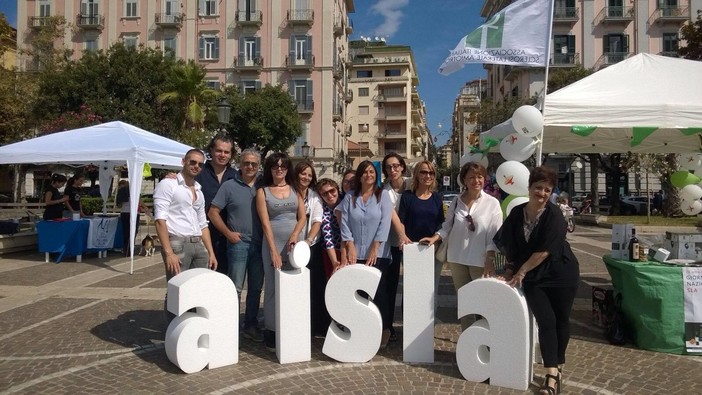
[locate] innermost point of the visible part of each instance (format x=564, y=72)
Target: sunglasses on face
x=280, y=167
x=470, y=222
x=426, y=173
x=196, y=163
x=253, y=165
x=329, y=192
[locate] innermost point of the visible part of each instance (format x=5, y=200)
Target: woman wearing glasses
x=540, y=261
x=366, y=213
x=421, y=209
x=472, y=220
x=282, y=214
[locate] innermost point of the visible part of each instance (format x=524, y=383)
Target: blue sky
x=430, y=27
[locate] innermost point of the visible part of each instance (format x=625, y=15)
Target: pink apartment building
x=301, y=44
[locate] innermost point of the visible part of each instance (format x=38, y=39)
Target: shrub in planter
x=91, y=205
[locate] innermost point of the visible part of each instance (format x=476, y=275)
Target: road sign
x=447, y=181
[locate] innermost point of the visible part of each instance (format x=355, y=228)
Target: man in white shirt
x=181, y=222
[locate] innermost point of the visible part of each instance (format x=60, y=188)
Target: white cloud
x=391, y=10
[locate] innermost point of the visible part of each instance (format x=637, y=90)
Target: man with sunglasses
x=242, y=233
x=181, y=223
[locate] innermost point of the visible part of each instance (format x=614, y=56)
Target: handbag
x=442, y=251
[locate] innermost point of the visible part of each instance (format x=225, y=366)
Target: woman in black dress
x=53, y=199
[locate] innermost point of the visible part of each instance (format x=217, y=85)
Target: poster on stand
x=692, y=291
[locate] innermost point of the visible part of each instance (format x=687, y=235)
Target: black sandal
x=547, y=389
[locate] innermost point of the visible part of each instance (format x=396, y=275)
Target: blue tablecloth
x=68, y=238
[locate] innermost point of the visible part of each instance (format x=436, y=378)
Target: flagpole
x=539, y=146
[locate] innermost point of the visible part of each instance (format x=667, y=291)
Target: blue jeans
x=245, y=257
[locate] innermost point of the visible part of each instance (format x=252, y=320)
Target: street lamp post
x=224, y=110
x=305, y=150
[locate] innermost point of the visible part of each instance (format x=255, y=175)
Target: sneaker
x=269, y=340
x=254, y=334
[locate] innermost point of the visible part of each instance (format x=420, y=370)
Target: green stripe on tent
x=690, y=131
x=640, y=133
x=583, y=131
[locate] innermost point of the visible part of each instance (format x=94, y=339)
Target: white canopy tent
x=644, y=104
x=106, y=145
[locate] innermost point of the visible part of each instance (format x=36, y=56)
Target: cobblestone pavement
x=91, y=327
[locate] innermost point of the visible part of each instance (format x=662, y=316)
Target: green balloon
x=505, y=203
x=682, y=178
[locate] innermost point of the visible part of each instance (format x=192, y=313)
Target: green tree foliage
x=117, y=84
x=17, y=92
x=691, y=32
x=6, y=35
x=560, y=77
x=46, y=51
x=266, y=119
x=191, y=98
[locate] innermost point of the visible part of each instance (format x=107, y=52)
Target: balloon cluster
x=512, y=176
x=688, y=180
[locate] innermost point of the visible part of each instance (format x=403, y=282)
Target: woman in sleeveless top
x=282, y=215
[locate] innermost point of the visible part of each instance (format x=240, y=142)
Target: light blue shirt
x=364, y=223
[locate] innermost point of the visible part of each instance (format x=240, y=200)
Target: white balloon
x=691, y=192
x=517, y=147
x=477, y=157
x=513, y=178
x=528, y=121
x=514, y=203
x=691, y=161
x=691, y=208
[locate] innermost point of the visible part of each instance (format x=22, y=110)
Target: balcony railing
x=337, y=69
x=610, y=58
x=565, y=59
x=565, y=14
x=299, y=62
x=301, y=17
x=90, y=21
x=677, y=15
x=304, y=105
x=249, y=18
x=619, y=14
x=37, y=22
x=348, y=97
x=251, y=63
x=391, y=95
x=349, y=26
x=381, y=60
x=169, y=20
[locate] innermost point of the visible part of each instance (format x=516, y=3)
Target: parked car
x=634, y=204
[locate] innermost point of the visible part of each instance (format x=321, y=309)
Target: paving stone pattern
x=92, y=328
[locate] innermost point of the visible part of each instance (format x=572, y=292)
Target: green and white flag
x=517, y=35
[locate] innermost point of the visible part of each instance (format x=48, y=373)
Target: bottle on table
x=633, y=247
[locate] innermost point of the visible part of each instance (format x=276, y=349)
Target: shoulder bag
x=442, y=249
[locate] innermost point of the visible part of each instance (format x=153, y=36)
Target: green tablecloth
x=652, y=300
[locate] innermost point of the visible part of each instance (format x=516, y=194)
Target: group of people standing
x=257, y=216
x=63, y=205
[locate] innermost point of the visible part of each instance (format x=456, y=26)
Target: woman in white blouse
x=471, y=222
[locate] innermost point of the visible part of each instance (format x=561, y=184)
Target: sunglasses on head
x=470, y=222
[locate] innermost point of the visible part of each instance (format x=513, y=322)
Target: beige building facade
x=594, y=34
x=299, y=44
x=386, y=114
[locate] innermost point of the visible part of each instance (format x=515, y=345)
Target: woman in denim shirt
x=366, y=213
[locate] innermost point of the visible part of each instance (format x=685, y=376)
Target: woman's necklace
x=280, y=185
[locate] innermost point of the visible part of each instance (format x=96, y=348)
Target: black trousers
x=381, y=298
x=393, y=279
x=551, y=308
x=318, y=286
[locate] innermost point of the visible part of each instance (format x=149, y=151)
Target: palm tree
x=192, y=94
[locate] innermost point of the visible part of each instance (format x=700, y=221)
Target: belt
x=186, y=239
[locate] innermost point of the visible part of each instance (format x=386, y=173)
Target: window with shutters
x=301, y=91
x=208, y=8
x=169, y=46
x=130, y=9
x=44, y=8
x=130, y=40
x=247, y=86
x=209, y=48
